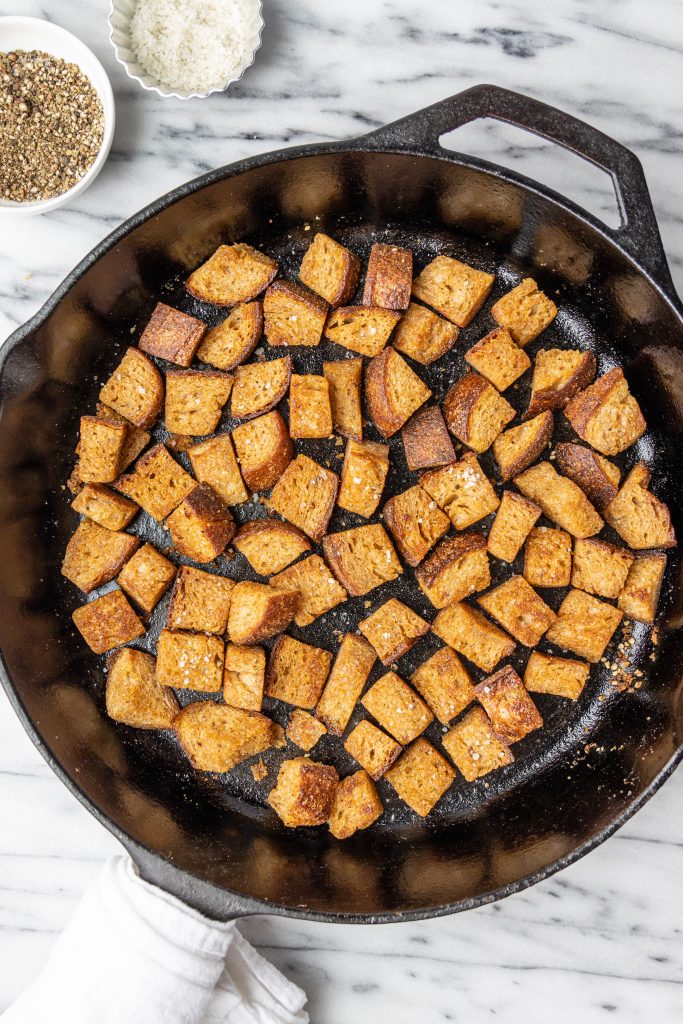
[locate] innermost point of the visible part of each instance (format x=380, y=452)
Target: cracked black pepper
x=51, y=125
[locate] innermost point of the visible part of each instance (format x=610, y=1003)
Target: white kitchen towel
x=132, y=954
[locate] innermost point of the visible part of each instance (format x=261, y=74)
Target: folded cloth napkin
x=132, y=954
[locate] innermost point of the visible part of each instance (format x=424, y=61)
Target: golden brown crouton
x=514, y=520
x=474, y=746
x=421, y=776
x=525, y=311
x=470, y=633
x=562, y=677
x=157, y=483
x=606, y=415
x=202, y=525
x=452, y=288
x=191, y=661
x=362, y=558
x=244, y=675
x=259, y=387
x=258, y=612
x=518, y=448
x=356, y=805
x=475, y=412
x=133, y=695
x=105, y=507
x=596, y=476
x=584, y=625
x=640, y=594
x=462, y=490
x=558, y=374
x=365, y=469
x=234, y=339
x=216, y=737
x=362, y=329
x=372, y=749
x=99, y=450
x=506, y=701
x=519, y=609
x=171, y=335
x=137, y=439
x=444, y=683
x=317, y=587
x=135, y=389
x=297, y=672
x=560, y=500
x=269, y=545
x=393, y=391
x=304, y=730
x=94, y=555
x=146, y=577
x=424, y=335
x=397, y=708
x=310, y=412
x=293, y=315
x=330, y=270
x=498, y=358
x=416, y=523
x=235, y=273
x=389, y=277
x=344, y=378
x=107, y=622
x=259, y=771
x=458, y=567
x=640, y=518
x=600, y=568
x=345, y=683
x=264, y=449
x=195, y=400
x=214, y=463
x=426, y=440
x=393, y=629
x=200, y=601
x=548, y=558
x=304, y=792
x=305, y=495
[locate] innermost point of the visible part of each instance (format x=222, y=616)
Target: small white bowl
x=35, y=34
x=120, y=17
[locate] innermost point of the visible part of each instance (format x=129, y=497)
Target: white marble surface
x=603, y=940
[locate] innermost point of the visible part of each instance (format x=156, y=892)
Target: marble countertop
x=603, y=939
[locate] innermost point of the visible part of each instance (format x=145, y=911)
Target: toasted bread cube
x=259, y=771
x=310, y=412
x=293, y=315
x=600, y=568
x=457, y=568
x=548, y=558
x=202, y=526
x=244, y=676
x=597, y=477
x=421, y=776
x=516, y=449
x=474, y=746
x=105, y=507
x=258, y=612
x=356, y=805
x=452, y=288
x=393, y=391
x=304, y=793
x=172, y=335
x=389, y=277
x=304, y=730
x=468, y=632
x=475, y=412
x=215, y=464
x=318, y=589
x=269, y=545
x=137, y=439
x=372, y=749
x=393, y=629
x=362, y=558
x=259, y=387
x=264, y=449
x=135, y=389
x=462, y=490
x=344, y=379
x=423, y=335
x=107, y=622
x=216, y=737
x=345, y=683
x=525, y=311
x=362, y=329
x=99, y=450
x=560, y=500
x=606, y=415
x=584, y=625
x=641, y=519
x=234, y=339
x=558, y=375
x=95, y=555
x=519, y=609
x=305, y=495
x=235, y=273
x=134, y=697
x=514, y=521
x=190, y=661
x=364, y=472
x=200, y=601
x=195, y=400
x=563, y=677
x=146, y=577
x=506, y=701
x=444, y=684
x=426, y=440
x=157, y=483
x=297, y=672
x=639, y=596
x=416, y=523
x=498, y=358
x=397, y=708
x=330, y=270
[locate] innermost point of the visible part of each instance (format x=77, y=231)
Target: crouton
x=172, y=335
x=293, y=315
x=421, y=776
x=105, y=507
x=597, y=477
x=514, y=521
x=258, y=612
x=95, y=555
x=548, y=558
x=107, y=622
x=259, y=387
x=459, y=566
x=639, y=596
x=195, y=400
x=506, y=701
x=558, y=375
x=214, y=463
x=235, y=273
x=444, y=684
x=393, y=391
x=372, y=749
x=497, y=358
x=137, y=439
x=190, y=661
x=99, y=450
x=526, y=311
x=216, y=737
x=201, y=526
x=259, y=771
x=305, y=496
x=200, y=601
x=365, y=469
x=269, y=545
x=474, y=746
x=317, y=587
x=362, y=558
x=362, y=329
x=157, y=483
x=516, y=449
x=133, y=695
x=389, y=277
x=304, y=793
x=563, y=677
x=264, y=449
x=304, y=730
x=641, y=519
x=560, y=500
x=146, y=577
x=244, y=676
x=519, y=609
x=344, y=379
x=475, y=412
x=584, y=625
x=416, y=523
x=606, y=415
x=426, y=440
x=234, y=339
x=468, y=632
x=356, y=805
x=423, y=335
x=135, y=389
x=345, y=683
x=462, y=490
x=397, y=708
x=452, y=288
x=600, y=568
x=310, y=412
x=330, y=270
x=393, y=629
x=297, y=672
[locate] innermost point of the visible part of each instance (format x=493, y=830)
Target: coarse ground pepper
x=51, y=125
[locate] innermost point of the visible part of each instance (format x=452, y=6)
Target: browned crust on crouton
x=516, y=449
x=389, y=277
x=105, y=507
x=475, y=747
x=133, y=695
x=525, y=311
x=214, y=463
x=95, y=555
x=305, y=495
x=498, y=358
x=397, y=708
x=421, y=776
x=364, y=472
x=269, y=545
x=393, y=391
x=606, y=414
x=202, y=525
x=135, y=389
x=304, y=793
x=264, y=449
x=470, y=633
x=233, y=274
x=639, y=596
x=319, y=590
x=310, y=412
x=597, y=478
x=244, y=675
x=345, y=682
x=444, y=683
x=600, y=568
x=548, y=558
x=519, y=610
x=157, y=482
x=454, y=289
x=258, y=387
x=511, y=710
x=560, y=499
x=137, y=439
x=356, y=805
x=563, y=677
x=372, y=748
x=393, y=629
x=172, y=335
x=424, y=335
x=639, y=517
x=416, y=523
x=344, y=378
x=107, y=622
x=426, y=440
x=475, y=412
x=514, y=520
x=217, y=737
x=146, y=577
x=293, y=315
x=362, y=329
x=234, y=339
x=330, y=270
x=200, y=601
x=100, y=449
x=297, y=672
x=459, y=566
x=258, y=612
x=362, y=558
x=558, y=375
x=584, y=625
x=195, y=400
x=192, y=661
x=462, y=490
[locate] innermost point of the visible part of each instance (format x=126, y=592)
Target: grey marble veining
x=603, y=940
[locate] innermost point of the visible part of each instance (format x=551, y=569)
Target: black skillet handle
x=638, y=233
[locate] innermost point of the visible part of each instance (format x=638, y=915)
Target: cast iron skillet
x=210, y=839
